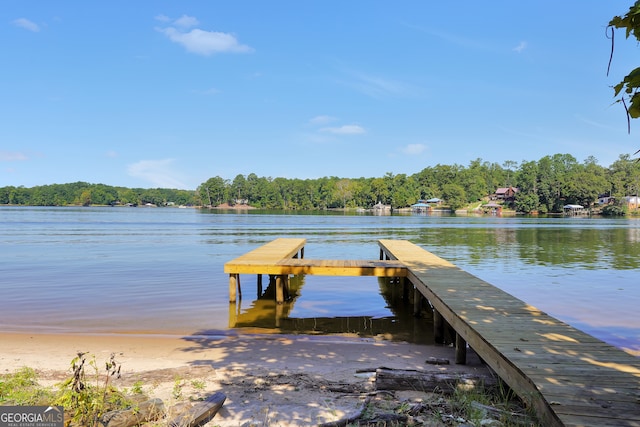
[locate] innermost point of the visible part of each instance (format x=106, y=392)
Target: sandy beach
x=277, y=380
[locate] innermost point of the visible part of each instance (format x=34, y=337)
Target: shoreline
x=54, y=351
x=282, y=376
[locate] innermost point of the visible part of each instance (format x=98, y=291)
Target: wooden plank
x=270, y=252
x=569, y=377
x=343, y=267
x=318, y=267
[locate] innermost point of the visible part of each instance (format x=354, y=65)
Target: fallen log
x=445, y=382
x=437, y=361
x=201, y=413
x=150, y=410
x=350, y=418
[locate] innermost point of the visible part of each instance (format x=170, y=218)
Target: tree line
x=545, y=186
x=85, y=194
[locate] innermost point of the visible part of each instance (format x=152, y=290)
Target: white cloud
x=12, y=156
x=162, y=18
x=413, y=149
x=199, y=41
x=345, y=130
x=321, y=120
x=26, y=24
x=521, y=46
x=186, y=21
x=157, y=172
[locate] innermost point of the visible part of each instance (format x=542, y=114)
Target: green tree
x=627, y=91
x=380, y=190
x=526, y=179
x=454, y=195
x=344, y=191
x=527, y=202
x=85, y=197
x=239, y=189
x=553, y=175
x=585, y=183
x=624, y=177
x=212, y=192
x=473, y=181
x=508, y=166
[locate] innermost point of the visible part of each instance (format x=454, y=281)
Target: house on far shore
x=605, y=200
x=434, y=201
x=420, y=207
x=492, y=208
x=573, y=210
x=632, y=202
x=507, y=194
x=379, y=207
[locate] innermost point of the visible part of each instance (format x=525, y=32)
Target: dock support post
x=405, y=288
x=234, y=310
x=461, y=350
x=259, y=285
x=234, y=286
x=417, y=302
x=302, y=252
x=381, y=254
x=282, y=287
x=438, y=327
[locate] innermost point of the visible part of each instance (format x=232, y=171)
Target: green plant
x=613, y=210
x=198, y=384
x=88, y=402
x=176, y=393
x=22, y=388
x=136, y=388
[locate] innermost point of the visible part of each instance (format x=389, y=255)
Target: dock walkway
x=569, y=377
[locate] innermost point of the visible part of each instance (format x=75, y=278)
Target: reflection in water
x=111, y=270
x=268, y=316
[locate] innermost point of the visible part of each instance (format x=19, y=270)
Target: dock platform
x=283, y=257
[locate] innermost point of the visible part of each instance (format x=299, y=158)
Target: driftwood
x=350, y=418
x=445, y=382
x=437, y=361
x=150, y=410
x=201, y=413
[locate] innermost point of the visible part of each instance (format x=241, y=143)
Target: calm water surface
x=160, y=271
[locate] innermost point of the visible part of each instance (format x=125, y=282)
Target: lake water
x=160, y=271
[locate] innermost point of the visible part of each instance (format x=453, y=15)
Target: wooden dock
x=569, y=377
x=259, y=259
x=283, y=257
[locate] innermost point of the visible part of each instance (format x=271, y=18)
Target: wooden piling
x=438, y=327
x=461, y=350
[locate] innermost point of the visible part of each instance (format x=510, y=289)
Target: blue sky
x=170, y=93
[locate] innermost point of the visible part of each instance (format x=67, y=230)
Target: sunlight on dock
x=570, y=378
